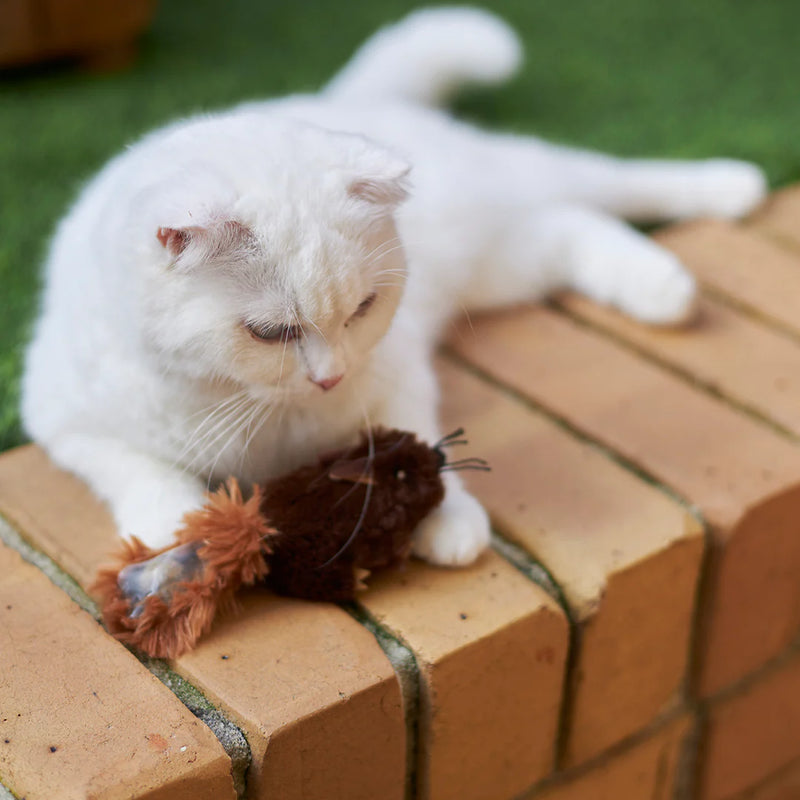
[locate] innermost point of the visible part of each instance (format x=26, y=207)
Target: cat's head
x=271, y=260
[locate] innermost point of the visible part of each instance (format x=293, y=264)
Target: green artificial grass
x=686, y=78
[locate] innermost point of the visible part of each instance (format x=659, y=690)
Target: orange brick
x=46, y=29
x=753, y=734
x=784, y=785
x=651, y=768
x=741, y=475
x=491, y=648
x=315, y=695
x=312, y=689
x=57, y=511
x=626, y=556
x=80, y=716
x=780, y=217
x=84, y=25
x=725, y=349
x=750, y=270
x=18, y=32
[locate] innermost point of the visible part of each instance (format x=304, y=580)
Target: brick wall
x=631, y=635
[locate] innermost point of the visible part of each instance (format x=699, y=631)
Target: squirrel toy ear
x=353, y=471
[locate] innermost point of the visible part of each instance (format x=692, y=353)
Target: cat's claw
x=454, y=534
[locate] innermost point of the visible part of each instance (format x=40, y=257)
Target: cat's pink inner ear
x=217, y=239
x=385, y=190
x=175, y=240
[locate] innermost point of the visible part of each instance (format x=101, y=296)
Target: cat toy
x=316, y=533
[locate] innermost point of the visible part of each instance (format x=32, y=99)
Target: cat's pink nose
x=328, y=383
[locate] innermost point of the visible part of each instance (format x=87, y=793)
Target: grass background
x=687, y=78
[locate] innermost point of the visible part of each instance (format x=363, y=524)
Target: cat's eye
x=274, y=334
x=364, y=306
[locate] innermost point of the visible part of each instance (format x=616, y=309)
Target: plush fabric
x=314, y=533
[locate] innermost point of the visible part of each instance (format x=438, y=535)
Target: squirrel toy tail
x=163, y=601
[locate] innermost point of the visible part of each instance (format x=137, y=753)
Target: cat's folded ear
x=176, y=240
x=189, y=214
x=381, y=180
x=213, y=241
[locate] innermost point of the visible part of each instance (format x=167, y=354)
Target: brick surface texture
x=80, y=717
x=491, y=647
x=634, y=634
x=737, y=471
x=650, y=768
x=779, y=218
x=626, y=555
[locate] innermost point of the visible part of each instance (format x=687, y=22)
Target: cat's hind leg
x=656, y=190
x=614, y=264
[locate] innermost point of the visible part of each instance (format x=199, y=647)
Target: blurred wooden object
x=101, y=33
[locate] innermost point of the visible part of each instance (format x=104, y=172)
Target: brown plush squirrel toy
x=315, y=533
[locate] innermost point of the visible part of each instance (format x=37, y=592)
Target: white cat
x=237, y=293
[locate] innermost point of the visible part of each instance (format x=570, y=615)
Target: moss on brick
x=532, y=568
x=61, y=579
x=405, y=667
x=230, y=736
x=6, y=793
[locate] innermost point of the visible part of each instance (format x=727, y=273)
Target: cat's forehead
x=304, y=273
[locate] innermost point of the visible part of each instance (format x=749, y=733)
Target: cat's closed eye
x=363, y=307
x=272, y=334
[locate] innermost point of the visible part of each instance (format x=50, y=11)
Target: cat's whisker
x=398, y=279
x=367, y=494
x=316, y=328
x=251, y=434
x=382, y=255
x=376, y=259
x=393, y=241
x=469, y=320
x=215, y=410
x=220, y=429
x=388, y=273
x=237, y=427
x=392, y=270
x=218, y=404
x=211, y=423
x=283, y=361
x=295, y=322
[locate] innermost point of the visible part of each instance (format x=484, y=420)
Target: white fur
x=429, y=56
x=142, y=377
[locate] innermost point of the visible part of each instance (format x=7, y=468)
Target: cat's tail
x=428, y=55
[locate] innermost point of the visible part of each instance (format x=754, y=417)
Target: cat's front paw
x=727, y=188
x=154, y=520
x=455, y=533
